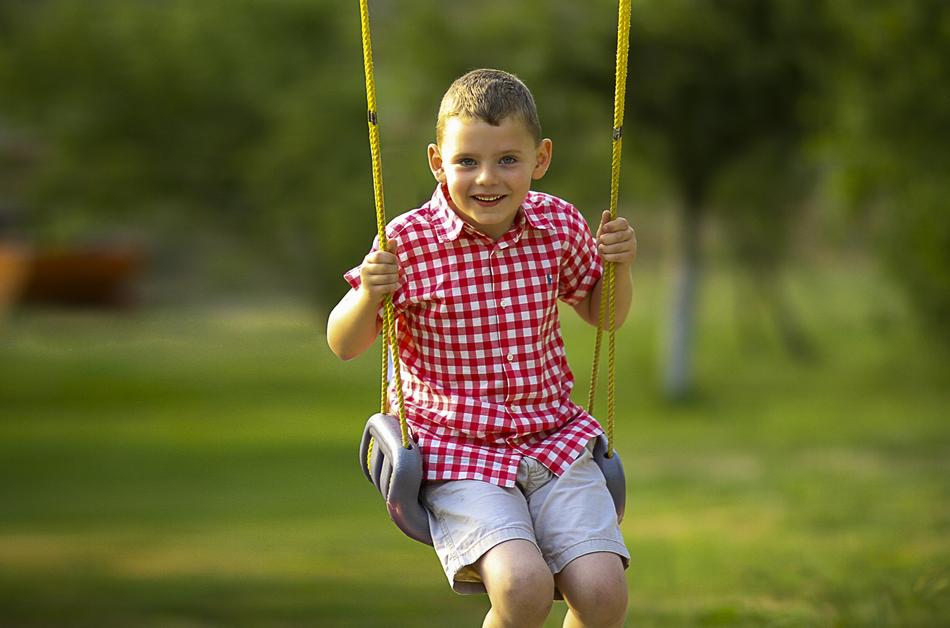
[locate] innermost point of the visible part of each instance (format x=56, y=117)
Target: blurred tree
x=720, y=83
x=217, y=116
x=890, y=88
x=758, y=200
x=247, y=118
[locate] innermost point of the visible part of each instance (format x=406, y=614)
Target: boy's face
x=488, y=169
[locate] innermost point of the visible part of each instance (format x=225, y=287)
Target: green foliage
x=219, y=116
x=720, y=87
x=720, y=82
x=248, y=118
x=891, y=84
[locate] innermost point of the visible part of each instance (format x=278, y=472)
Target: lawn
x=196, y=467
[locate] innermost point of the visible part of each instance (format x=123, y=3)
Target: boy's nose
x=486, y=176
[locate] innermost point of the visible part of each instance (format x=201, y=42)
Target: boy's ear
x=542, y=158
x=435, y=163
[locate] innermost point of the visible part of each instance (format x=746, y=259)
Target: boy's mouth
x=488, y=199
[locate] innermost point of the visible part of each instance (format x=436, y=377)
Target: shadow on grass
x=95, y=601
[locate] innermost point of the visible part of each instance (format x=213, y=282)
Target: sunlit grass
x=197, y=467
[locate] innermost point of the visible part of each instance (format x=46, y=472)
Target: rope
x=620, y=90
x=389, y=324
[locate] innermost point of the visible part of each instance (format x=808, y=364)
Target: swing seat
x=612, y=469
x=396, y=472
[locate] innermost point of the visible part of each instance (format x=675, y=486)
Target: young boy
x=517, y=506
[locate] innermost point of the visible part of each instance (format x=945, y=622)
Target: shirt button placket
x=503, y=304
x=493, y=321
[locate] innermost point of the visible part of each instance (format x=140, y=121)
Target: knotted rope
x=620, y=90
x=389, y=323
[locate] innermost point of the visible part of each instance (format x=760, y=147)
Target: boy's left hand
x=616, y=240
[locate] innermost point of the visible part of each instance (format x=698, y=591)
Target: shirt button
x=511, y=357
x=504, y=303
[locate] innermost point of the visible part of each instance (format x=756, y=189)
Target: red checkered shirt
x=484, y=371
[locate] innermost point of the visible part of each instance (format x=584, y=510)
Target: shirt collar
x=450, y=224
x=445, y=219
x=533, y=210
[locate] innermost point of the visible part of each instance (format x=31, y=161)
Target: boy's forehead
x=468, y=128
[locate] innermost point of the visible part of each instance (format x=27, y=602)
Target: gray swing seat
x=612, y=468
x=396, y=472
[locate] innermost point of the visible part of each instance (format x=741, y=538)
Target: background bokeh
x=182, y=185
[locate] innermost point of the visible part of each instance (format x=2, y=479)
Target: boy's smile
x=488, y=169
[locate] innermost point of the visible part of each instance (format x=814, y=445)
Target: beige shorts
x=565, y=517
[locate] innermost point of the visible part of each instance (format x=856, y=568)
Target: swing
x=389, y=458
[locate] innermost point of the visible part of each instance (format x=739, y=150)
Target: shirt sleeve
x=353, y=278
x=581, y=266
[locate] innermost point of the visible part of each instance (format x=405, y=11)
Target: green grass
x=197, y=468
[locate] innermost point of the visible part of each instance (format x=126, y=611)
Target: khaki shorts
x=565, y=517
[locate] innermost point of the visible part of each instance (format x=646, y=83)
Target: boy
x=516, y=504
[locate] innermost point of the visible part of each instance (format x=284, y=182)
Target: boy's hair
x=491, y=96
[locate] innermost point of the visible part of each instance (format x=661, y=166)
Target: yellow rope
x=620, y=89
x=389, y=325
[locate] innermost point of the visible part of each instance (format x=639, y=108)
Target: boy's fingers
x=604, y=218
x=619, y=247
x=614, y=237
x=620, y=224
x=381, y=270
x=382, y=257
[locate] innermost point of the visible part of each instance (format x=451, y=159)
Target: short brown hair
x=491, y=96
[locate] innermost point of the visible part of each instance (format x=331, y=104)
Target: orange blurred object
x=98, y=277
x=14, y=267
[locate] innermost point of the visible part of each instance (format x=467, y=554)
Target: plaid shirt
x=484, y=371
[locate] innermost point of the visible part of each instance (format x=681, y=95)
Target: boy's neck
x=494, y=232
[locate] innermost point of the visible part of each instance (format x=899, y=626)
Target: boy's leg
x=595, y=590
x=519, y=583
x=577, y=531
x=484, y=538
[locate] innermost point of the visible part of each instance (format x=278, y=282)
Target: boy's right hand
x=379, y=273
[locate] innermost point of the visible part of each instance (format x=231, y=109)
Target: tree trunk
x=678, y=376
x=792, y=333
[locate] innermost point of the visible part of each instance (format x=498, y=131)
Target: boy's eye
x=509, y=159
x=466, y=161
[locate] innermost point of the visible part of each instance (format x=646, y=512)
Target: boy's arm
x=353, y=323
x=616, y=242
x=588, y=309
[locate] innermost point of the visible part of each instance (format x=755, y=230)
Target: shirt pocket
x=543, y=294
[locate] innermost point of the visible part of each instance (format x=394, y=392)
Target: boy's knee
x=519, y=584
x=600, y=604
x=529, y=588
x=596, y=592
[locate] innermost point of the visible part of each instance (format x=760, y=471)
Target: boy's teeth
x=488, y=198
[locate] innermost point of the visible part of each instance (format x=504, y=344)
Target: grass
x=197, y=468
